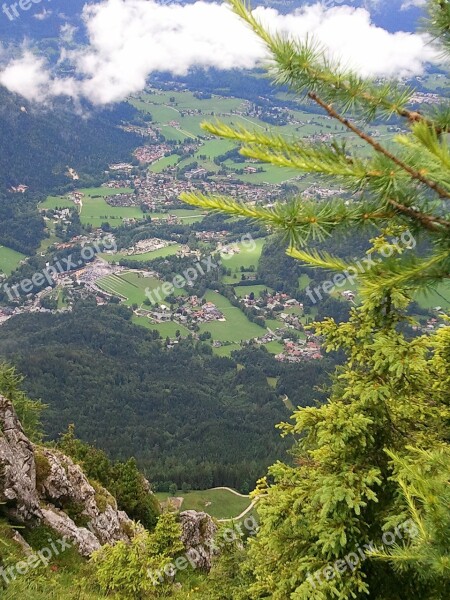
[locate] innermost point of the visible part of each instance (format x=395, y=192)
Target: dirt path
x=243, y=513
x=229, y=489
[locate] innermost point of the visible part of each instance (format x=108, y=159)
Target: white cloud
x=130, y=39
x=26, y=76
x=45, y=14
x=413, y=3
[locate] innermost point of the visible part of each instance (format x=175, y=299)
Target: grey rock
x=59, y=482
x=198, y=531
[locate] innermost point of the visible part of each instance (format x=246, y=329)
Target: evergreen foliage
x=376, y=454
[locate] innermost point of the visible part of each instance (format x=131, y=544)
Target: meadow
x=220, y=504
x=236, y=327
x=9, y=260
x=161, y=253
x=245, y=290
x=131, y=286
x=246, y=258
x=128, y=285
x=165, y=329
x=439, y=296
x=95, y=210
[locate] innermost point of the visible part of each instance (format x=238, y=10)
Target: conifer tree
x=357, y=515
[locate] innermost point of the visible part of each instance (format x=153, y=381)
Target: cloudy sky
x=130, y=39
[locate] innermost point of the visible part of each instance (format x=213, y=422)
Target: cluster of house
x=19, y=189
x=299, y=351
x=271, y=301
x=158, y=189
x=196, y=173
x=317, y=191
x=148, y=245
x=211, y=236
x=76, y=197
x=147, y=132
x=149, y=154
x=425, y=98
x=192, y=311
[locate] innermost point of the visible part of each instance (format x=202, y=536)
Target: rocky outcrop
x=17, y=467
x=198, y=531
x=43, y=486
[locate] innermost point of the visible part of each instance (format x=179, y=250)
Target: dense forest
x=186, y=415
x=21, y=226
x=39, y=143
x=38, y=146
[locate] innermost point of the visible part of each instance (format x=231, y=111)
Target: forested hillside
x=187, y=416
x=39, y=143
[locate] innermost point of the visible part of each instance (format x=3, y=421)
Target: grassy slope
x=236, y=327
x=9, y=259
x=223, y=504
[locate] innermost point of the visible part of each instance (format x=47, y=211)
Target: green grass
x=165, y=329
x=245, y=290
x=274, y=347
x=161, y=253
x=271, y=174
x=226, y=350
x=129, y=285
x=9, y=259
x=54, y=202
x=236, y=327
x=187, y=215
x=438, y=296
x=214, y=148
x=246, y=258
x=223, y=504
x=272, y=381
x=163, y=163
x=303, y=281
x=96, y=210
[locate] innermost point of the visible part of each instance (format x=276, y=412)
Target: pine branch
x=320, y=260
x=410, y=272
x=274, y=149
x=305, y=67
x=438, y=22
x=379, y=148
x=301, y=220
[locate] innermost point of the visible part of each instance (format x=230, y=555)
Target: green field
x=161, y=253
x=226, y=350
x=245, y=290
x=165, y=329
x=438, y=296
x=214, y=148
x=163, y=163
x=274, y=347
x=236, y=327
x=54, y=202
x=96, y=210
x=220, y=504
x=246, y=258
x=9, y=260
x=129, y=285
